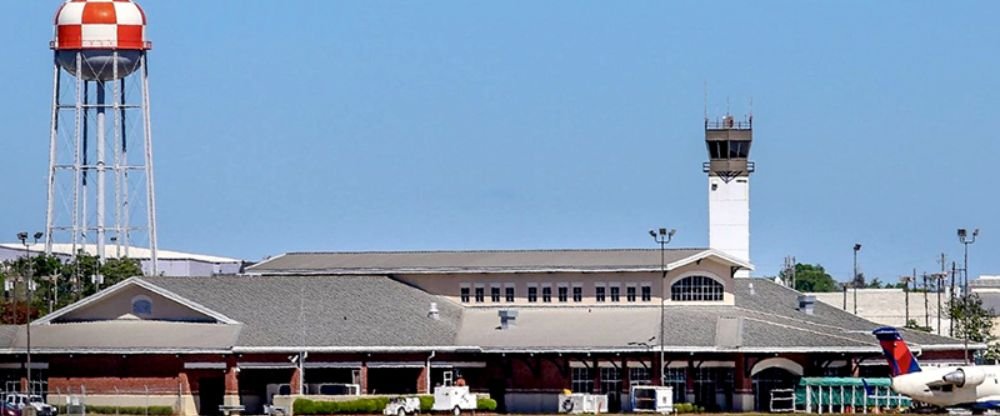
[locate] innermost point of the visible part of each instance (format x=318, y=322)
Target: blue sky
x=372, y=125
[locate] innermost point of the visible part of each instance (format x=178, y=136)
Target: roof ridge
x=482, y=251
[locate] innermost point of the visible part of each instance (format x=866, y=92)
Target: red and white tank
x=100, y=34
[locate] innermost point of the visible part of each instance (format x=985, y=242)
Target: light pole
x=963, y=237
x=854, y=279
x=662, y=237
x=29, y=294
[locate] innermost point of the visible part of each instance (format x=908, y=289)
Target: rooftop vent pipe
x=508, y=317
x=807, y=304
x=434, y=313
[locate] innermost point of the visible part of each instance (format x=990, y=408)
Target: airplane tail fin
x=868, y=389
x=901, y=360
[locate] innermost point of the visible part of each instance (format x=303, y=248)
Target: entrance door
x=768, y=380
x=210, y=395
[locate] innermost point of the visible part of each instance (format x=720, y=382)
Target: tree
x=912, y=324
x=971, y=319
x=812, y=278
x=875, y=284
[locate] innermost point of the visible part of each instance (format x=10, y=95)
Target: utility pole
x=927, y=315
x=951, y=302
x=940, y=284
x=906, y=296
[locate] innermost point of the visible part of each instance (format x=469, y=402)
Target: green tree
x=812, y=278
x=971, y=319
x=116, y=270
x=912, y=324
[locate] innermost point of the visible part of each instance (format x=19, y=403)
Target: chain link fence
x=81, y=401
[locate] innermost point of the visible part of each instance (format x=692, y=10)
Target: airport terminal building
x=519, y=325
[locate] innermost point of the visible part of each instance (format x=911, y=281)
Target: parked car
x=15, y=403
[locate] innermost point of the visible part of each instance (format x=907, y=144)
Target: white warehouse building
x=170, y=263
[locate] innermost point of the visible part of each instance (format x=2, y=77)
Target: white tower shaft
x=729, y=217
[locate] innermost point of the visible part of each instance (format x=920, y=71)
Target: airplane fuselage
x=972, y=386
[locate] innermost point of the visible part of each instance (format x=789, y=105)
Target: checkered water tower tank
x=105, y=38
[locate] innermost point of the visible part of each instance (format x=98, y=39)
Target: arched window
x=696, y=288
x=142, y=306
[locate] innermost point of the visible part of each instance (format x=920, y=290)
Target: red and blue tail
x=901, y=360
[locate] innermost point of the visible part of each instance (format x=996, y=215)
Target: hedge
x=688, y=408
x=369, y=405
x=124, y=410
x=483, y=403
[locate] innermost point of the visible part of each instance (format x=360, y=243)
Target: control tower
x=729, y=170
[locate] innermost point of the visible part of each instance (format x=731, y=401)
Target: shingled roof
x=378, y=313
x=596, y=260
x=291, y=312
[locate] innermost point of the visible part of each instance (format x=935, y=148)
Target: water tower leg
x=53, y=138
x=150, y=187
x=78, y=144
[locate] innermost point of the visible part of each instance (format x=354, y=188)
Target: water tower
x=99, y=128
x=729, y=170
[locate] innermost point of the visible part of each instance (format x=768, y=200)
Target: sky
x=411, y=125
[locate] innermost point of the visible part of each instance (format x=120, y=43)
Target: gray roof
x=129, y=335
x=780, y=304
x=468, y=261
x=376, y=313
x=768, y=315
x=319, y=311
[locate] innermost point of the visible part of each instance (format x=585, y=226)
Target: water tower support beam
x=53, y=139
x=78, y=139
x=150, y=186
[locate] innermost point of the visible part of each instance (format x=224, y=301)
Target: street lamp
x=963, y=237
x=857, y=248
x=662, y=237
x=28, y=280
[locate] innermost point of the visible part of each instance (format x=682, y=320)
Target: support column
x=656, y=371
x=626, y=385
x=232, y=396
x=363, y=378
x=689, y=383
x=743, y=390
x=294, y=383
x=422, y=385
x=597, y=376
x=188, y=405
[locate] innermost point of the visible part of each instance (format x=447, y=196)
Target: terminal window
x=696, y=288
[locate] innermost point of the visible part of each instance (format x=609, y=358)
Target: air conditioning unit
x=577, y=403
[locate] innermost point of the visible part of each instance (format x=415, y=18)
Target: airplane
x=974, y=387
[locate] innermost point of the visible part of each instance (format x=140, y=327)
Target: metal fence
x=137, y=401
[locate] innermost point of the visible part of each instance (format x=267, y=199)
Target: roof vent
x=752, y=291
x=807, y=304
x=434, y=313
x=507, y=318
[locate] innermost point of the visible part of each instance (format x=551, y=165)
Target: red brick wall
x=115, y=385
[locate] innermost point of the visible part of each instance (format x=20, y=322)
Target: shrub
x=365, y=405
x=483, y=403
x=125, y=410
x=426, y=402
